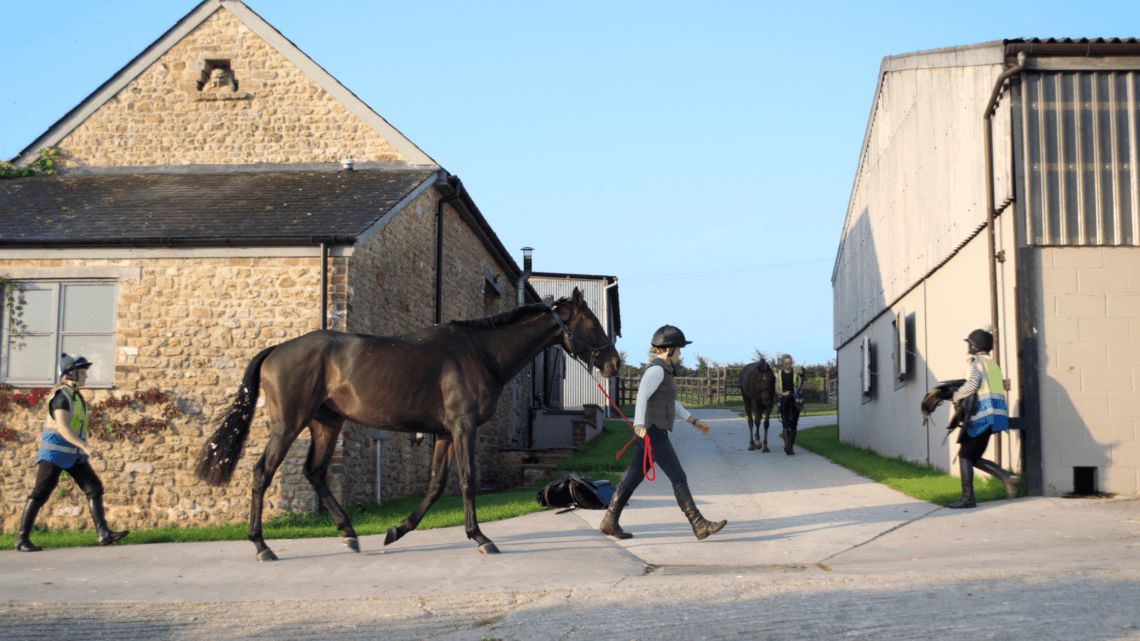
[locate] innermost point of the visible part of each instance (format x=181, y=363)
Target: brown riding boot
x=701, y=526
x=609, y=524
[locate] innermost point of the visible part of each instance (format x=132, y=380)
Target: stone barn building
x=915, y=272
x=201, y=214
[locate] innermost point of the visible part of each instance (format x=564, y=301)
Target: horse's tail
x=221, y=453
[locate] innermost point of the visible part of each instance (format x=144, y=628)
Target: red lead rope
x=647, y=460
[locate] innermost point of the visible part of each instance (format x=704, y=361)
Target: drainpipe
x=992, y=257
x=520, y=298
x=456, y=189
x=324, y=285
x=613, y=339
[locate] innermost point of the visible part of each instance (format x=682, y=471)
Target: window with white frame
x=54, y=318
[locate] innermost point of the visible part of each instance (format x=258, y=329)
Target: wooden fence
x=720, y=386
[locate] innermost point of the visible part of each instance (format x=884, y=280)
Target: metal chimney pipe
x=520, y=288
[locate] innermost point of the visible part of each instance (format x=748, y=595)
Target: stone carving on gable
x=218, y=82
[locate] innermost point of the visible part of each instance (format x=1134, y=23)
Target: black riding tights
x=47, y=478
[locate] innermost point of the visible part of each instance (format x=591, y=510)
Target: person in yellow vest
x=63, y=446
x=988, y=415
x=790, y=389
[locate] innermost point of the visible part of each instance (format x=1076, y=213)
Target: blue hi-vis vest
x=992, y=412
x=53, y=447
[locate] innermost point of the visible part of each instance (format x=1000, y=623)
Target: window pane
x=100, y=350
x=32, y=358
x=34, y=310
x=89, y=308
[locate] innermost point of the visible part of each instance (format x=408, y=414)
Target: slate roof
x=149, y=209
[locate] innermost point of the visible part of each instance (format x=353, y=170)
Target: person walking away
x=657, y=407
x=983, y=380
x=790, y=389
x=63, y=446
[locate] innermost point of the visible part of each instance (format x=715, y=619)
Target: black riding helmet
x=669, y=336
x=68, y=364
x=980, y=341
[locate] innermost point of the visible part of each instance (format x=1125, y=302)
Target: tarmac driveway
x=811, y=551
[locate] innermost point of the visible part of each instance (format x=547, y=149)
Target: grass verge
x=922, y=482
x=595, y=459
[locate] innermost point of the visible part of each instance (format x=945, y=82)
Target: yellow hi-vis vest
x=992, y=412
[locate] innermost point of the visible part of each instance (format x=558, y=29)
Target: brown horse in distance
x=758, y=387
x=443, y=380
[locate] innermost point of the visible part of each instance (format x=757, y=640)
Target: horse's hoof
x=352, y=543
x=488, y=548
x=393, y=535
x=751, y=446
x=266, y=555
x=765, y=449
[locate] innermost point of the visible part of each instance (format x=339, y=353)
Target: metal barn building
x=1057, y=272
x=601, y=294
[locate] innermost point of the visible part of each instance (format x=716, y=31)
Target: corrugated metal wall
x=920, y=189
x=578, y=388
x=1083, y=173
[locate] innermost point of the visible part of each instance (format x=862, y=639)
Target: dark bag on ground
x=575, y=490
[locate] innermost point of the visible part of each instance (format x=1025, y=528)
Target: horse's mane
x=505, y=318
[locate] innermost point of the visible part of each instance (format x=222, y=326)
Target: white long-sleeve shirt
x=649, y=384
x=973, y=380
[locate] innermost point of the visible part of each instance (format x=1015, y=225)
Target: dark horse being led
x=443, y=380
x=758, y=387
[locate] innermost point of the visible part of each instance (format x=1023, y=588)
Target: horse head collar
x=572, y=343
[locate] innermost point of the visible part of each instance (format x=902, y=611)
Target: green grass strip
x=923, y=482
x=594, y=459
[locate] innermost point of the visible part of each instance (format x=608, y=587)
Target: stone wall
x=189, y=327
x=277, y=114
x=392, y=285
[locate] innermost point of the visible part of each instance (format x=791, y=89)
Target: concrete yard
x=811, y=551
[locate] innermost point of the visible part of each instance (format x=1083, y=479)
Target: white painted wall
x=945, y=308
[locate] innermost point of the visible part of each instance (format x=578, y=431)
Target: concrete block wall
x=1089, y=356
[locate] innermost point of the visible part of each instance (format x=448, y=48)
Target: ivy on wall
x=45, y=163
x=100, y=424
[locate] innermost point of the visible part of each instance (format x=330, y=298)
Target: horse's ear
x=576, y=297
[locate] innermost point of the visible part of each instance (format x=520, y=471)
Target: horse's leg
x=465, y=465
x=325, y=428
x=263, y=472
x=767, y=411
x=440, y=467
x=748, y=411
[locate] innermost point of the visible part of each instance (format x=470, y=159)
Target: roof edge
x=251, y=168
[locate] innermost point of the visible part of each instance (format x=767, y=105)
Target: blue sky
x=701, y=152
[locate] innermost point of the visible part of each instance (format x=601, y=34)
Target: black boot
x=609, y=525
x=787, y=442
x=1012, y=481
x=106, y=536
x=701, y=527
x=967, y=500
x=31, y=509
x=792, y=446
